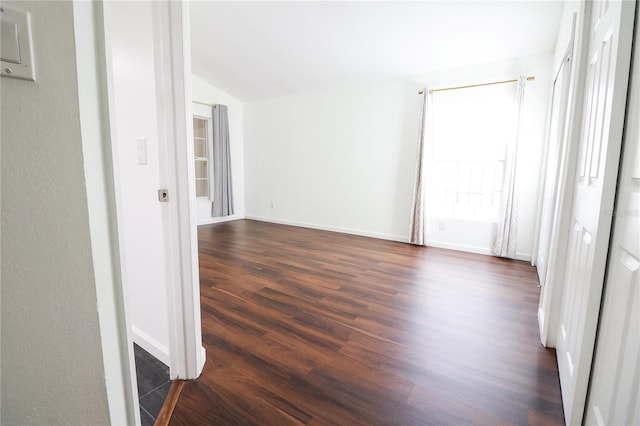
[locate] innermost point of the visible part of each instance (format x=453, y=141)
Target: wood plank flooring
x=312, y=327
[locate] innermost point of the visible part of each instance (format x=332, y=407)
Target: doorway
x=149, y=117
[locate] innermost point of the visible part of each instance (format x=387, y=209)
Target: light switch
x=142, y=150
x=10, y=50
x=16, y=52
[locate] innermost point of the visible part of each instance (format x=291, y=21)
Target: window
x=201, y=141
x=471, y=129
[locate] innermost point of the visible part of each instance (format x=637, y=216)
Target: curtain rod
x=531, y=78
x=202, y=103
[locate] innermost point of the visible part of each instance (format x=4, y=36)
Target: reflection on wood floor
x=312, y=327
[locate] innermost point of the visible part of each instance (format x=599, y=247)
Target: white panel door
x=554, y=151
x=614, y=391
x=609, y=50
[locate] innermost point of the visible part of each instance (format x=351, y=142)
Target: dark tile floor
x=153, y=385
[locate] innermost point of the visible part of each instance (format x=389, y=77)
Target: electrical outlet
x=442, y=226
x=272, y=204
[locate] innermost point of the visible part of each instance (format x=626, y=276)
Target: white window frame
x=207, y=158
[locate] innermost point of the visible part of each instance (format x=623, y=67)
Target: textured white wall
x=52, y=371
x=209, y=94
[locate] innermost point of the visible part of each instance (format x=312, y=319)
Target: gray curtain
x=507, y=233
x=222, y=197
x=418, y=214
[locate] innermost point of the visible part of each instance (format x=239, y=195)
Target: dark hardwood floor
x=311, y=327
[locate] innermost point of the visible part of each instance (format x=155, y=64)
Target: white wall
x=344, y=159
x=204, y=92
x=52, y=366
x=341, y=159
x=142, y=219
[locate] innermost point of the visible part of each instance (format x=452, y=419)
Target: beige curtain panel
x=507, y=233
x=417, y=233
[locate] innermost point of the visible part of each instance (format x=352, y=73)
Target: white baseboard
x=213, y=220
x=150, y=345
x=473, y=249
x=389, y=237
x=331, y=228
x=460, y=247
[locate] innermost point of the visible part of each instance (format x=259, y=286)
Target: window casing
x=201, y=142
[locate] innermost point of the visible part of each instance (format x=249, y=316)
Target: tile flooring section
x=153, y=385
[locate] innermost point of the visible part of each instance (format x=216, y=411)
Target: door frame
x=100, y=177
x=561, y=94
x=551, y=293
x=173, y=98
x=171, y=21
x=174, y=36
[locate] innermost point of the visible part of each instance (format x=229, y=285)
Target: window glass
x=471, y=131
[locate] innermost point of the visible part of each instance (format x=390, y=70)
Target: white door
x=556, y=138
x=610, y=31
x=614, y=391
x=148, y=90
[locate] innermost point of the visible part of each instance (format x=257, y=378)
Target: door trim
x=173, y=93
x=558, y=113
x=115, y=335
x=551, y=293
x=173, y=90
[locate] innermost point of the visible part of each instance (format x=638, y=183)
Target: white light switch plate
x=10, y=51
x=16, y=51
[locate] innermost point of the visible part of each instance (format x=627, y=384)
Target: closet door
x=554, y=152
x=614, y=395
x=608, y=59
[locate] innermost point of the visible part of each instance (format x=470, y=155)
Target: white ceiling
x=255, y=50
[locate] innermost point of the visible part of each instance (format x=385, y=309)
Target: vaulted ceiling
x=255, y=50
